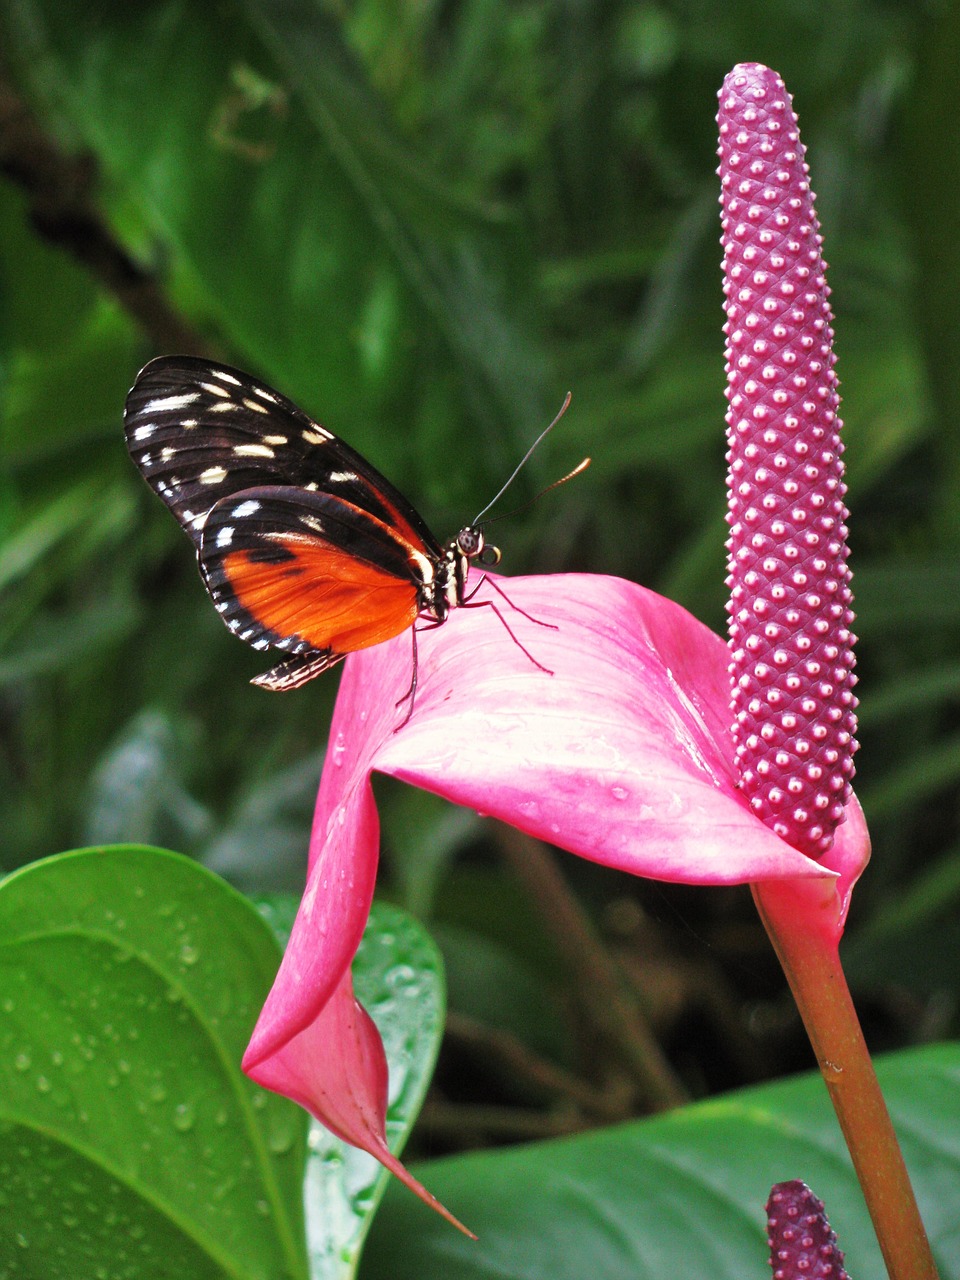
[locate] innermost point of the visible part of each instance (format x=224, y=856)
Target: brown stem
x=58, y=191
x=602, y=990
x=811, y=962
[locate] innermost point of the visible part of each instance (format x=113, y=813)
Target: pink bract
x=622, y=756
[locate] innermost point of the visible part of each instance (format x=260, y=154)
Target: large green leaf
x=130, y=1142
x=681, y=1194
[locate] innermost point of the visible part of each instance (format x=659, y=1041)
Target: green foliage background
x=426, y=222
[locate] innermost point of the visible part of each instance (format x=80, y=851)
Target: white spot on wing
x=226, y=377
x=264, y=394
x=253, y=451
x=248, y=508
x=212, y=389
x=316, y=434
x=343, y=477
x=213, y=475
x=252, y=404
x=225, y=535
x=312, y=522
x=145, y=431
x=274, y=439
x=169, y=404
x=167, y=454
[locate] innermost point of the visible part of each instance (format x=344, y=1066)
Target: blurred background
x=425, y=222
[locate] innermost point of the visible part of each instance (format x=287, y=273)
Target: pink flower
x=623, y=756
x=650, y=748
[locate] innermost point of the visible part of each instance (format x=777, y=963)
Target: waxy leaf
x=130, y=1142
x=682, y=1194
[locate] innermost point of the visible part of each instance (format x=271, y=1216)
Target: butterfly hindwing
x=201, y=432
x=308, y=573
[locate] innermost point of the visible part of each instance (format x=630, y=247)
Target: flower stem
x=811, y=961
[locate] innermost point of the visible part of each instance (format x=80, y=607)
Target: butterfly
x=303, y=546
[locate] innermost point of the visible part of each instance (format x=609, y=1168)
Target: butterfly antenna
x=516, y=471
x=581, y=466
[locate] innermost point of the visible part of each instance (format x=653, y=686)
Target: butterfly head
x=470, y=542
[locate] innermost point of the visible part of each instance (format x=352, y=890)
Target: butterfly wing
x=307, y=573
x=302, y=544
x=201, y=432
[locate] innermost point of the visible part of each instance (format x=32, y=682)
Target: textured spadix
x=791, y=656
x=803, y=1245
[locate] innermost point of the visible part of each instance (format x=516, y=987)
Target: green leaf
x=682, y=1194
x=398, y=978
x=130, y=1142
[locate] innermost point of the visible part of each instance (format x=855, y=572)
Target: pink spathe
x=622, y=756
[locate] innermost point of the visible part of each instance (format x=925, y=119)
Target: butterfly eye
x=470, y=542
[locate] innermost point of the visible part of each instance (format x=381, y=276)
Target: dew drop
x=280, y=1137
x=184, y=1117
x=399, y=976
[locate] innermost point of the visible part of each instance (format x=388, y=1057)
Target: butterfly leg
x=500, y=592
x=411, y=692
x=491, y=604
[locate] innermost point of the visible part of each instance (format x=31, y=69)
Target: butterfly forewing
x=201, y=432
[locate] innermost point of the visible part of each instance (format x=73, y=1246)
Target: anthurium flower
x=623, y=755
x=616, y=726
x=803, y=1245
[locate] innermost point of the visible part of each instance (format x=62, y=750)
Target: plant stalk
x=811, y=961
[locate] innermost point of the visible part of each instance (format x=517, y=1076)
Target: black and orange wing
x=302, y=544
x=308, y=574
